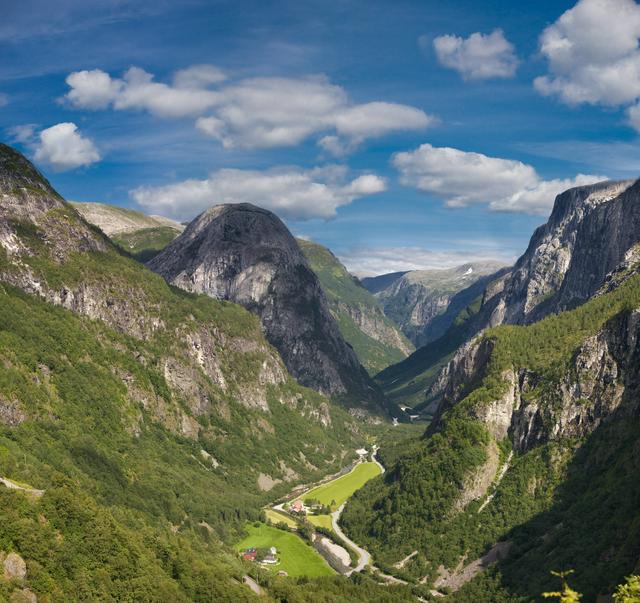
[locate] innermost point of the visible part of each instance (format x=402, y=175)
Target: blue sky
x=400, y=134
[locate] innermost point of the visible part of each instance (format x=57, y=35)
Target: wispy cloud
x=374, y=261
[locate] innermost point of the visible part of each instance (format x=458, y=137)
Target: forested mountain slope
x=535, y=444
x=153, y=421
x=377, y=341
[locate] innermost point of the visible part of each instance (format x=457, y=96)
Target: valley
x=217, y=415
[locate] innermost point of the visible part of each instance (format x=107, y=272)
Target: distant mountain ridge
x=375, y=284
x=245, y=254
x=377, y=341
x=420, y=301
x=114, y=220
x=139, y=234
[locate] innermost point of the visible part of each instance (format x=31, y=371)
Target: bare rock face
x=603, y=379
x=246, y=255
x=11, y=413
x=589, y=233
x=590, y=245
x=15, y=567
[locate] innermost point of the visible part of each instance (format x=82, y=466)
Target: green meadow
x=296, y=557
x=276, y=517
x=337, y=491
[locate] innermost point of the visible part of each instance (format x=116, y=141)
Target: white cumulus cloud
x=137, y=90
x=478, y=57
x=593, y=55
x=64, y=148
x=290, y=192
x=461, y=178
x=258, y=112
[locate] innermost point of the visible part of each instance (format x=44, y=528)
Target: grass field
x=340, y=489
x=296, y=557
x=276, y=517
x=323, y=521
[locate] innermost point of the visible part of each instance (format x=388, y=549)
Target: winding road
x=364, y=557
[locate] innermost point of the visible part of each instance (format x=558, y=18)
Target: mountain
x=245, y=254
x=375, y=284
x=376, y=340
x=141, y=235
x=424, y=303
x=530, y=463
x=592, y=231
x=140, y=425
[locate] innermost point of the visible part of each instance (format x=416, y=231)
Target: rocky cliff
x=247, y=255
x=532, y=408
x=377, y=341
x=588, y=243
x=590, y=230
x=424, y=303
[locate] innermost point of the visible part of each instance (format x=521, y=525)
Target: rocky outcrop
x=245, y=254
x=477, y=483
x=424, y=303
x=602, y=379
x=11, y=413
x=14, y=567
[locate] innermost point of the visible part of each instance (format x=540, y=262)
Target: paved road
x=364, y=558
x=252, y=584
